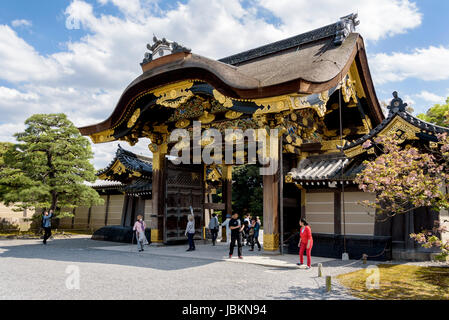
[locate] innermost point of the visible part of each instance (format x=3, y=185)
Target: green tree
x=438, y=114
x=48, y=167
x=247, y=192
x=405, y=179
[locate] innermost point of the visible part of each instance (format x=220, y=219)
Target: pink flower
x=367, y=144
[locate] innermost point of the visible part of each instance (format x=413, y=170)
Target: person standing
x=255, y=227
x=236, y=228
x=305, y=243
x=190, y=232
x=139, y=228
x=228, y=231
x=46, y=224
x=213, y=227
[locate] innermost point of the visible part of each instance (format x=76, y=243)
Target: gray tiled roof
x=139, y=186
x=132, y=162
x=337, y=31
x=105, y=184
x=426, y=128
x=326, y=168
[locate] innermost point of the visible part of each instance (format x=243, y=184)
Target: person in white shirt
x=228, y=230
x=190, y=232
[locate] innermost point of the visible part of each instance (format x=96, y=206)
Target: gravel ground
x=30, y=270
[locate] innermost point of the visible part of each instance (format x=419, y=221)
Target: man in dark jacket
x=236, y=228
x=46, y=224
x=255, y=228
x=213, y=227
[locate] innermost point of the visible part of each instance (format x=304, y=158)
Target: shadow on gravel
x=300, y=293
x=80, y=250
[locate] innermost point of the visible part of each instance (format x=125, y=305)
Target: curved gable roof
x=311, y=65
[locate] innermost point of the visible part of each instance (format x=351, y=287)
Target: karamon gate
x=314, y=88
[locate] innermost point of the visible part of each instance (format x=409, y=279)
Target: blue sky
x=47, y=67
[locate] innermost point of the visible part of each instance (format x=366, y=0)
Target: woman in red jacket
x=305, y=243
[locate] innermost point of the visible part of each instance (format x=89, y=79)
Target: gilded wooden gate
x=184, y=189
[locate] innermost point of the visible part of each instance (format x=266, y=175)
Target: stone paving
x=30, y=270
x=220, y=252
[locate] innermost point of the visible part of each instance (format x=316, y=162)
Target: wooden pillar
x=303, y=203
x=89, y=217
x=271, y=212
x=337, y=212
x=125, y=209
x=158, y=195
x=227, y=197
x=106, y=214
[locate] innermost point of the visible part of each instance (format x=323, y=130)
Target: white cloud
x=19, y=61
x=21, y=23
x=379, y=19
x=86, y=79
x=430, y=97
x=13, y=94
x=429, y=64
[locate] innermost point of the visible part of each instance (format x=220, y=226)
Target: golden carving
x=354, y=73
x=301, y=102
x=159, y=152
x=363, y=130
x=273, y=104
x=118, y=168
x=399, y=124
x=331, y=145
x=132, y=121
x=324, y=97
x=433, y=145
x=233, y=115
x=214, y=175
x=329, y=133
x=225, y=101
x=348, y=90
x=104, y=136
x=103, y=177
x=290, y=148
x=161, y=129
x=271, y=242
x=288, y=179
x=207, y=118
x=350, y=153
x=172, y=96
x=181, y=124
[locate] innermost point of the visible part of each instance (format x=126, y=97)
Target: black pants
x=47, y=234
x=214, y=233
x=234, y=238
x=191, y=242
x=255, y=240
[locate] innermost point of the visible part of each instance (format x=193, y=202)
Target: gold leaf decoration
x=134, y=117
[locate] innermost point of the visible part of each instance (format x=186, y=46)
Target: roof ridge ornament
x=345, y=27
x=396, y=105
x=162, y=47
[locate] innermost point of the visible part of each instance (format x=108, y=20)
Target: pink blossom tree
x=404, y=179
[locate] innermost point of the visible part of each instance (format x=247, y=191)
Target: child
x=139, y=228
